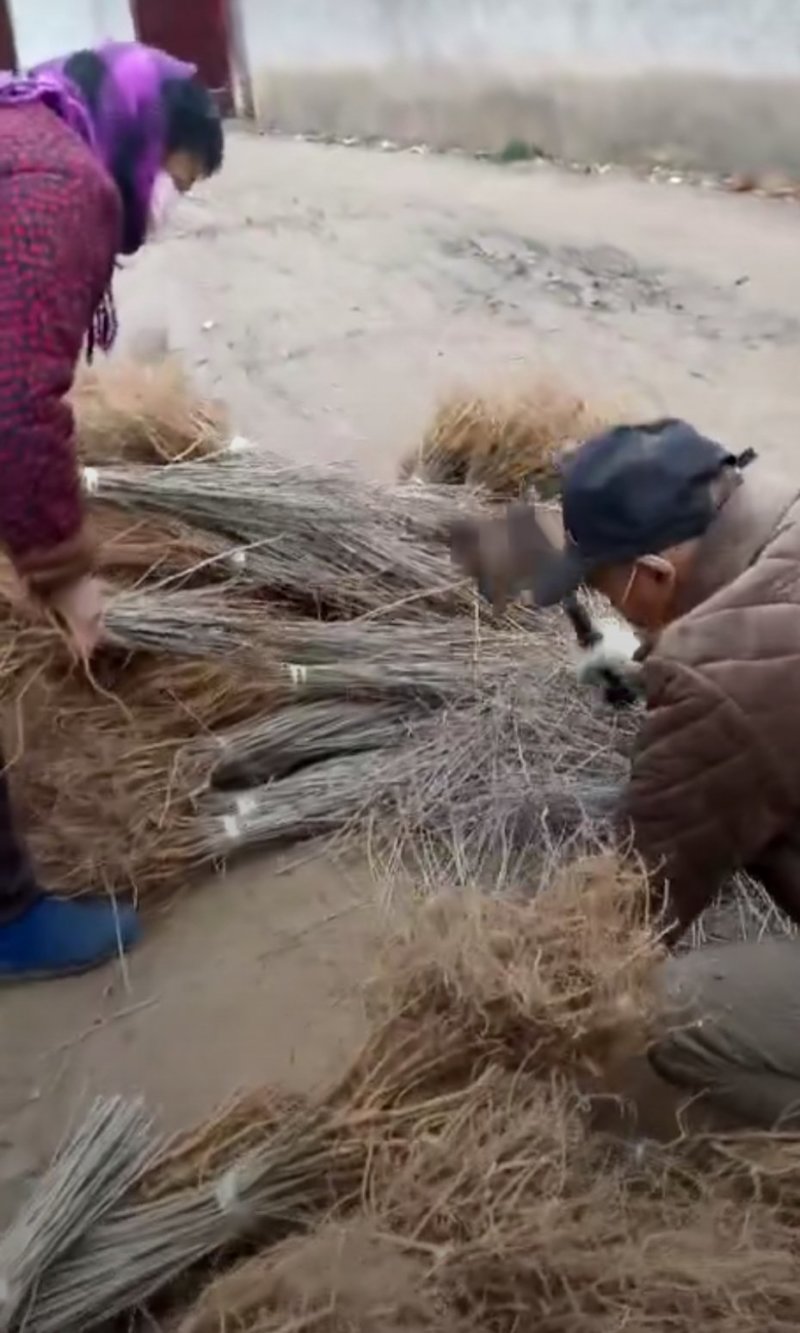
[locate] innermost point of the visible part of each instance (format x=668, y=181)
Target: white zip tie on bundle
x=234, y=824
x=298, y=674
x=228, y=1194
x=231, y=827
x=240, y=445
x=91, y=480
x=238, y=559
x=246, y=804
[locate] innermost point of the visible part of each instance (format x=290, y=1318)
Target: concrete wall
x=702, y=82
x=753, y=36
x=45, y=28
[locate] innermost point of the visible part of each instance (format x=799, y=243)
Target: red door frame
x=195, y=30
x=8, y=49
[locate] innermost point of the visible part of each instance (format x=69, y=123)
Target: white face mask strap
x=629, y=586
x=163, y=199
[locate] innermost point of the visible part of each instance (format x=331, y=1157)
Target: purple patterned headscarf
x=122, y=123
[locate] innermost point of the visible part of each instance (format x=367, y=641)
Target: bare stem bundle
x=502, y=785
x=136, y=1252
x=372, y=655
x=136, y=549
x=268, y=749
x=200, y=1155
x=92, y=1172
x=318, y=538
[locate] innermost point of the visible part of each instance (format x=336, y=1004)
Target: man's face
x=643, y=591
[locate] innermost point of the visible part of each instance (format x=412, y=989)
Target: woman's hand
x=81, y=606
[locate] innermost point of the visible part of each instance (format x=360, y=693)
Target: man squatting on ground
x=700, y=551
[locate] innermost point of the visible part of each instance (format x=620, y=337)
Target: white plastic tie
x=298, y=674
x=239, y=559
x=240, y=445
x=91, y=480
x=228, y=1194
x=232, y=827
x=245, y=805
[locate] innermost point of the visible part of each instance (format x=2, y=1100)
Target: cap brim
x=557, y=576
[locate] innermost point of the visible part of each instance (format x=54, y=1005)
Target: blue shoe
x=57, y=937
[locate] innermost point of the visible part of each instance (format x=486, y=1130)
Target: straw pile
x=343, y=1277
x=291, y=654
x=508, y=441
x=454, y=1178
x=498, y=1206
x=563, y=982
x=132, y=413
x=267, y=1166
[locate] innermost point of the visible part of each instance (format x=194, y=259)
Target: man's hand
x=480, y=547
x=81, y=606
x=503, y=554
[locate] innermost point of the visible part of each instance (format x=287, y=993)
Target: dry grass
x=507, y=441
x=193, y=1158
x=534, y=1221
x=488, y=1201
x=508, y=1213
x=561, y=983
x=106, y=770
x=126, y=412
x=452, y=1180
x=133, y=549
x=342, y=1278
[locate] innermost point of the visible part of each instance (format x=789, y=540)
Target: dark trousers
x=735, y=1042
x=18, y=884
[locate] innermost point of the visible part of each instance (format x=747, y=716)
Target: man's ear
x=658, y=568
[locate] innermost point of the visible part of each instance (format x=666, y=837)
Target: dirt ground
x=329, y=295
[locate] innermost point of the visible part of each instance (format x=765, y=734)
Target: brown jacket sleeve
x=704, y=797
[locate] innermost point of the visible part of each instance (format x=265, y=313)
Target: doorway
x=8, y=51
x=194, y=30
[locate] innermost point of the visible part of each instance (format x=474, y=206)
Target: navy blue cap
x=633, y=491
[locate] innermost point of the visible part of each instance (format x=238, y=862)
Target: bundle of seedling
x=454, y=1177
x=290, y=653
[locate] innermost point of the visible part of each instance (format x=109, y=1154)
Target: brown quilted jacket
x=715, y=782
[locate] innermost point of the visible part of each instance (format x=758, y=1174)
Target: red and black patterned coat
x=60, y=224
